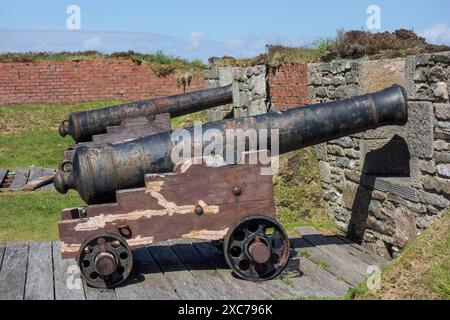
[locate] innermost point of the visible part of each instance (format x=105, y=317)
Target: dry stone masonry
x=386, y=185
x=249, y=91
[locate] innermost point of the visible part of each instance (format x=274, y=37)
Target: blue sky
x=200, y=28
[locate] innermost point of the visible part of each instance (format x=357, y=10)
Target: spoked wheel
x=257, y=248
x=105, y=260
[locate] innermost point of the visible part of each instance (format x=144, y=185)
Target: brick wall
x=69, y=81
x=287, y=86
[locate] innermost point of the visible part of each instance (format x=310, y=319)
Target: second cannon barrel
x=83, y=125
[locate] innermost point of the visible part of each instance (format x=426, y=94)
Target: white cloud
x=437, y=34
x=192, y=45
x=94, y=43
x=195, y=40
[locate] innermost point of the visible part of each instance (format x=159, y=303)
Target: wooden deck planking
x=203, y=271
x=2, y=251
x=336, y=267
x=39, y=283
x=20, y=179
x=303, y=283
x=361, y=252
x=99, y=294
x=216, y=259
x=155, y=284
x=329, y=246
x=181, y=279
x=67, y=278
x=3, y=173
x=182, y=269
x=13, y=272
x=261, y=290
x=35, y=172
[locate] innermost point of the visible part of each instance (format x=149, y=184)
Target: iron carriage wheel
x=105, y=260
x=257, y=248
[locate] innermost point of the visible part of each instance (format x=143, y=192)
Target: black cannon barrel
x=101, y=170
x=83, y=125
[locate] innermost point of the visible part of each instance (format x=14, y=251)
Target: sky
x=198, y=29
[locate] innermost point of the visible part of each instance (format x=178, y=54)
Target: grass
x=421, y=272
x=27, y=216
x=160, y=62
x=29, y=133
x=298, y=193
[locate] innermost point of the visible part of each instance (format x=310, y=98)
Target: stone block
x=441, y=145
x=443, y=170
x=349, y=192
x=419, y=130
x=352, y=175
x=345, y=142
x=415, y=207
x=427, y=166
x=410, y=71
x=434, y=199
x=324, y=171
x=320, y=151
x=405, y=226
x=443, y=57
x=380, y=74
x=211, y=74
x=442, y=157
x=436, y=184
x=397, y=186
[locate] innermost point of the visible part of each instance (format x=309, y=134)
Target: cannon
x=81, y=126
x=137, y=194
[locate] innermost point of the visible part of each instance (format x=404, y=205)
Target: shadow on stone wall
x=390, y=161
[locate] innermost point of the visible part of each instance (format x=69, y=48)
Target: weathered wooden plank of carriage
x=328, y=246
x=20, y=179
x=304, y=285
x=67, y=277
x=361, y=252
x=155, y=284
x=48, y=172
x=13, y=272
x=165, y=209
x=3, y=173
x=39, y=282
x=203, y=271
x=181, y=279
x=331, y=264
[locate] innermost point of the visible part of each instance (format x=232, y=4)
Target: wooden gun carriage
x=137, y=195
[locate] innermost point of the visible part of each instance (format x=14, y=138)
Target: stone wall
x=386, y=185
x=78, y=81
x=249, y=91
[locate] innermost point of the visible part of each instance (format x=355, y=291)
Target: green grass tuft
x=33, y=216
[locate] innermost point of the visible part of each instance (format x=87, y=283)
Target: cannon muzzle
x=83, y=125
x=97, y=172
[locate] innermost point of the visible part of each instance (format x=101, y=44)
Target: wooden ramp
x=321, y=267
